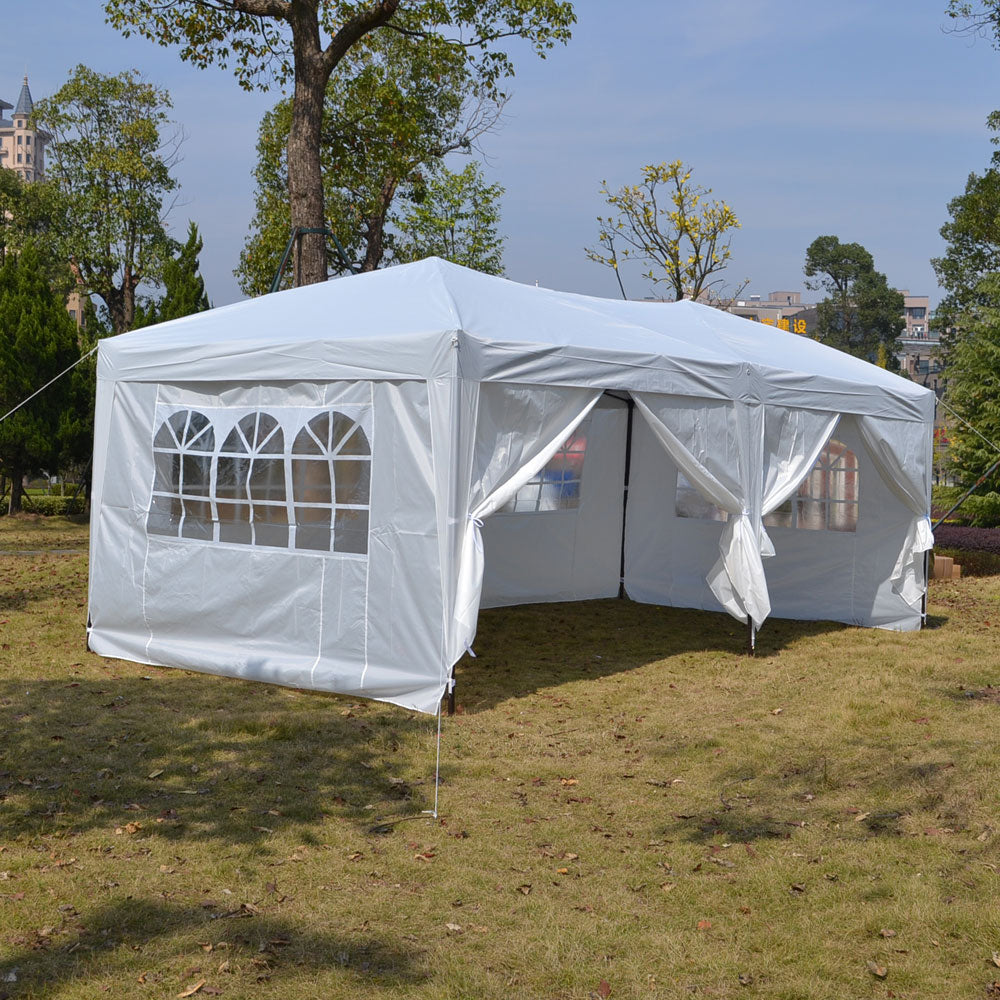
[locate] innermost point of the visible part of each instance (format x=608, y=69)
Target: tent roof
x=405, y=322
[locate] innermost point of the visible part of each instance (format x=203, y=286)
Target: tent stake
x=437, y=768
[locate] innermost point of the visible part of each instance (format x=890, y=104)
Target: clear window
x=688, y=502
x=250, y=490
x=826, y=500
x=182, y=458
x=253, y=490
x=331, y=480
x=557, y=486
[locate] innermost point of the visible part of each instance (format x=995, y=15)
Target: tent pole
x=628, y=469
x=751, y=637
x=451, y=693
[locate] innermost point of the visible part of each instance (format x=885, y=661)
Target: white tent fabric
x=899, y=452
x=321, y=487
x=518, y=430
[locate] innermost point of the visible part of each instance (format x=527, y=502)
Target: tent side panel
x=814, y=575
x=666, y=558
x=235, y=576
x=565, y=555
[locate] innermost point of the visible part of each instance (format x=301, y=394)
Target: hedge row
x=50, y=506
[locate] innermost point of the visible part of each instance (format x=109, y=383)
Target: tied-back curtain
x=712, y=444
x=793, y=440
x=899, y=449
x=518, y=429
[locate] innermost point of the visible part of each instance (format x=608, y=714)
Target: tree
x=393, y=110
x=32, y=213
x=687, y=239
x=37, y=342
x=972, y=236
x=111, y=163
x=457, y=220
x=305, y=40
x=183, y=286
x=973, y=389
x=978, y=17
x=861, y=312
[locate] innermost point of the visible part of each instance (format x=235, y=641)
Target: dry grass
x=629, y=805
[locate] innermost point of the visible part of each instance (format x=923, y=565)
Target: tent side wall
x=815, y=574
x=233, y=580
x=570, y=550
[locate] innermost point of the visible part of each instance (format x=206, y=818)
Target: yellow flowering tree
x=669, y=224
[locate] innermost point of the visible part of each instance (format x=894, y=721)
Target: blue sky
x=858, y=119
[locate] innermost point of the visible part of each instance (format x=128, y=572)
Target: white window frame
x=170, y=498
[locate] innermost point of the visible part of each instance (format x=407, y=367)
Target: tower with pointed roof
x=22, y=148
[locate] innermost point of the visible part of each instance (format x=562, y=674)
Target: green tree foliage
x=111, y=163
x=37, y=341
x=32, y=213
x=457, y=220
x=394, y=108
x=305, y=40
x=972, y=238
x=977, y=17
x=667, y=222
x=973, y=389
x=183, y=286
x=860, y=313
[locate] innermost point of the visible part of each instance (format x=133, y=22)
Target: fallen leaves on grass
x=878, y=971
x=191, y=990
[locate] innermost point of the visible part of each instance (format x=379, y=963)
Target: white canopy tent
x=320, y=488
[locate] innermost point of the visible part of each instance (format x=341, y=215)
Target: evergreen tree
x=38, y=340
x=184, y=287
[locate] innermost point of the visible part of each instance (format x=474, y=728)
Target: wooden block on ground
x=943, y=567
x=956, y=571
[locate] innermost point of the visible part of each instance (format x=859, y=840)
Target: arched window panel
x=331, y=483
x=182, y=461
x=252, y=491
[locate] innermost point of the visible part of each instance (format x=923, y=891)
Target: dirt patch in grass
x=630, y=807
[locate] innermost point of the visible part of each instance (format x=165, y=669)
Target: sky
x=856, y=119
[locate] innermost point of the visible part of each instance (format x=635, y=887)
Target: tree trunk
x=375, y=241
x=313, y=66
x=305, y=175
x=16, y=490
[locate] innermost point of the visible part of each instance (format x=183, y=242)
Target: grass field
x=630, y=808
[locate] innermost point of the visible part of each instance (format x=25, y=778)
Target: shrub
x=50, y=506
x=982, y=511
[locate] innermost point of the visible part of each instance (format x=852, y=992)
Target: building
x=784, y=310
x=22, y=148
x=918, y=345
